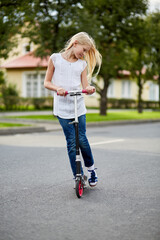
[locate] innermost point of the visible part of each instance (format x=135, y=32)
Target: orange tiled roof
x=27, y=61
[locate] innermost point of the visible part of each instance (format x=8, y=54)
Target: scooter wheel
x=79, y=188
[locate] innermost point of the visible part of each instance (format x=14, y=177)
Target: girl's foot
x=92, y=178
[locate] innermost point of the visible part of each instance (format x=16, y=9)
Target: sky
x=153, y=4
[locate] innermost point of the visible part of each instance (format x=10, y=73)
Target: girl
x=66, y=71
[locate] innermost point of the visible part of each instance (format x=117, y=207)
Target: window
x=126, y=89
x=153, y=91
x=111, y=89
x=28, y=88
x=43, y=90
x=33, y=85
x=26, y=48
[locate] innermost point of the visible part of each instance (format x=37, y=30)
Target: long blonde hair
x=92, y=57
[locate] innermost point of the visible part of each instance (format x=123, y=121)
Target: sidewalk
x=50, y=112
x=34, y=113
x=46, y=126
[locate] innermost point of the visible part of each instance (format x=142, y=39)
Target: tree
x=49, y=24
x=11, y=20
x=114, y=19
x=138, y=43
x=54, y=22
x=153, y=69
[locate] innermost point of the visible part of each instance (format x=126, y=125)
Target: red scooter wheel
x=79, y=188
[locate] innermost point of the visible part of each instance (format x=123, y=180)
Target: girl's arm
x=85, y=84
x=48, y=78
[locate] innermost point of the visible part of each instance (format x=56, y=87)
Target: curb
x=21, y=130
x=123, y=122
x=56, y=127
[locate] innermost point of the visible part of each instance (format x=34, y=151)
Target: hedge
x=19, y=103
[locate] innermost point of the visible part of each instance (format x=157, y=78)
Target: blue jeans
x=69, y=132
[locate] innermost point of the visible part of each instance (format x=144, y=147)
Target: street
x=38, y=202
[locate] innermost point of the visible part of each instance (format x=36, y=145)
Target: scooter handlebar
x=75, y=91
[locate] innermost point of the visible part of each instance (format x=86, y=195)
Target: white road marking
x=106, y=142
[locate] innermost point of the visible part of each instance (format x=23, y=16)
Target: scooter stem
x=75, y=109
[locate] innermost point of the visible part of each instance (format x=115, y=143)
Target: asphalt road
x=38, y=202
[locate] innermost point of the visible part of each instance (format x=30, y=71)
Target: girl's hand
x=90, y=89
x=61, y=91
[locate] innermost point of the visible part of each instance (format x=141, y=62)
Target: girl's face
x=80, y=50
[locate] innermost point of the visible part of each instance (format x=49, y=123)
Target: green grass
x=2, y=125
x=35, y=117
x=95, y=117
x=117, y=116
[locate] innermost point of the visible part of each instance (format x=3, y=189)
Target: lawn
x=95, y=117
x=2, y=125
x=117, y=116
x=34, y=117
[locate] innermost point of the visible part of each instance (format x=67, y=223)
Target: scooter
x=79, y=179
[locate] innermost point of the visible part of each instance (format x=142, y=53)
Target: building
x=27, y=72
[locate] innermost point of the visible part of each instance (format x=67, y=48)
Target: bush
x=122, y=103
x=2, y=81
x=42, y=103
x=10, y=96
x=130, y=104
x=38, y=103
x=20, y=103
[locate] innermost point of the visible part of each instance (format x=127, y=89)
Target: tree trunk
x=103, y=100
x=140, y=87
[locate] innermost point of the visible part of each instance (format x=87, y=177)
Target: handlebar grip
x=66, y=92
x=84, y=91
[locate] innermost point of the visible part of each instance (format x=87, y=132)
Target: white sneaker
x=92, y=178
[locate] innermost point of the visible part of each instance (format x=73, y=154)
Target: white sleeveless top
x=68, y=76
